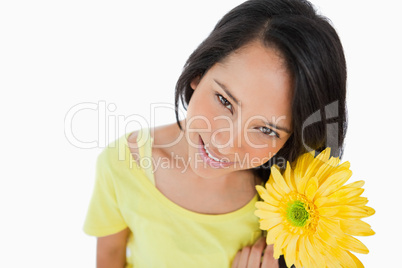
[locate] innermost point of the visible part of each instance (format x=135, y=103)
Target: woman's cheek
x=259, y=152
x=254, y=142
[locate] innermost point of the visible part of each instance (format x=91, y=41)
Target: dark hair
x=314, y=58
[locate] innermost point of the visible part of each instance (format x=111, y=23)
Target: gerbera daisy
x=311, y=216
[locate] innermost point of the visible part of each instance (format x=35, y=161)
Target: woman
x=268, y=84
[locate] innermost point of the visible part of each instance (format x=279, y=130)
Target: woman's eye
x=269, y=132
x=225, y=102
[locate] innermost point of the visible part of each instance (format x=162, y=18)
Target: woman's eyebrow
x=278, y=127
x=228, y=92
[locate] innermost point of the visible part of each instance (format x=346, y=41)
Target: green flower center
x=297, y=214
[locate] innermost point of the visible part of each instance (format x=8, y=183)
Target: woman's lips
x=211, y=161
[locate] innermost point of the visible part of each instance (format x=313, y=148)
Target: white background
x=55, y=55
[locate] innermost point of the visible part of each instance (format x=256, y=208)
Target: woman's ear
x=194, y=83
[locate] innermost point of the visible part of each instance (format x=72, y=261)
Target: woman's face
x=240, y=113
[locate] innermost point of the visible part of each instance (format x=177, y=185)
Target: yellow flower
x=311, y=216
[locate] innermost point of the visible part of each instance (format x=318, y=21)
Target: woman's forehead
x=257, y=78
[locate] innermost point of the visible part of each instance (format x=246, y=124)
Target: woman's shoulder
x=133, y=144
x=140, y=144
x=150, y=147
x=115, y=152
x=122, y=158
x=162, y=139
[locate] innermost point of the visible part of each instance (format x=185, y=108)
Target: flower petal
x=279, y=244
x=326, y=202
x=329, y=231
x=274, y=233
x=302, y=252
x=333, y=255
x=320, y=160
x=316, y=256
x=346, y=260
x=333, y=183
x=290, y=251
x=356, y=184
x=272, y=197
x=356, y=227
x=370, y=211
x=350, y=243
x=266, y=207
x=346, y=193
x=327, y=168
x=302, y=164
x=261, y=190
x=311, y=189
x=358, y=201
x=263, y=214
x=301, y=185
x=328, y=253
x=273, y=193
x=348, y=196
x=344, y=166
x=356, y=260
x=279, y=180
x=341, y=212
x=288, y=177
x=269, y=223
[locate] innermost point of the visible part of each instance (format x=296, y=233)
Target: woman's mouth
x=210, y=159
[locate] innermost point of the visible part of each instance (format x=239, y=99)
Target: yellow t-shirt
x=163, y=234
